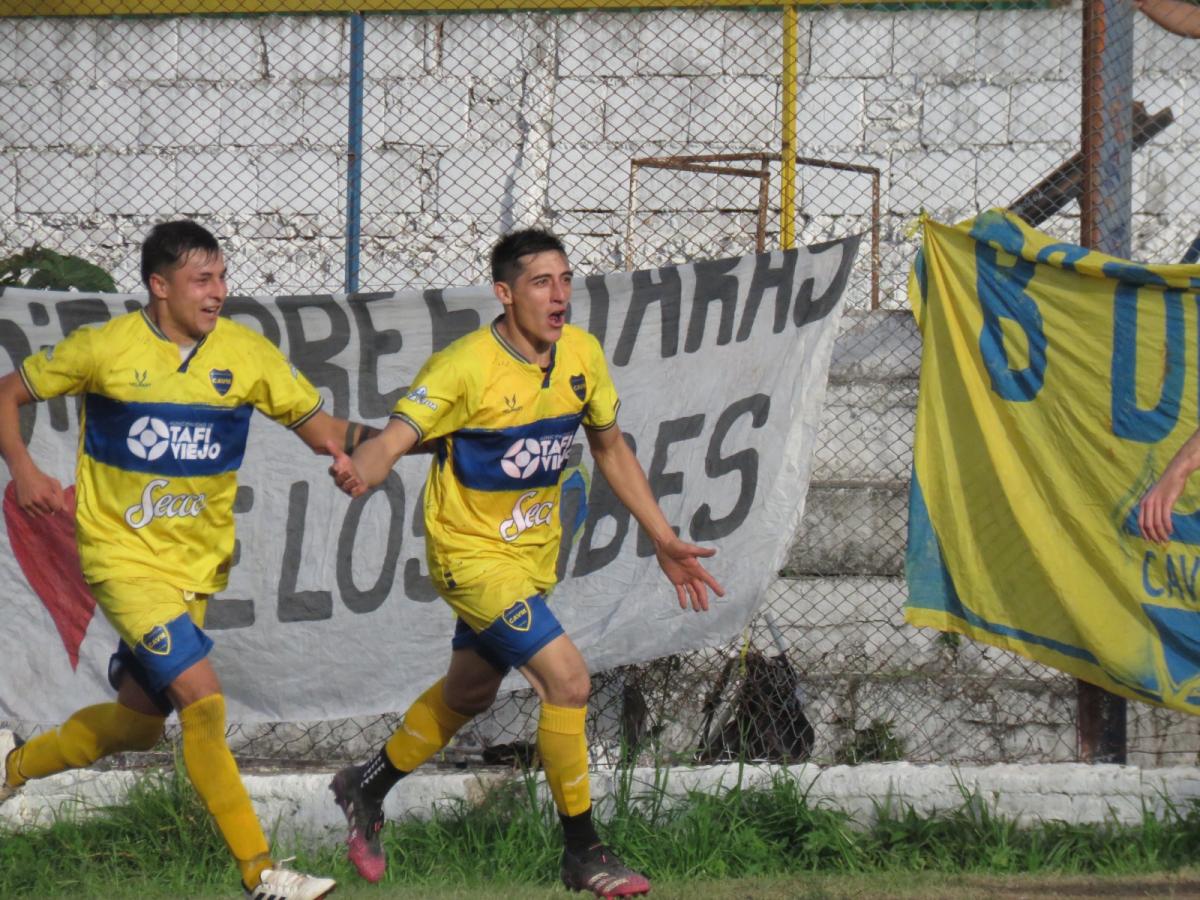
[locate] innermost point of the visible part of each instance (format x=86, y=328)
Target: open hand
x=680, y=562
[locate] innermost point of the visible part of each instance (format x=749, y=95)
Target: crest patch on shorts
x=518, y=617
x=157, y=640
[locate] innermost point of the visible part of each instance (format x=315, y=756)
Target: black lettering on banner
x=768, y=277
x=448, y=325
x=417, y=585
x=713, y=282
x=602, y=504
x=132, y=305
x=745, y=462
x=660, y=286
x=373, y=345
x=72, y=314
x=312, y=356
x=662, y=482
x=809, y=310
x=597, y=291
x=369, y=600
x=294, y=605
x=16, y=343
x=252, y=309
x=232, y=612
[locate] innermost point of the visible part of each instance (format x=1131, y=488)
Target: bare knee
x=470, y=699
x=571, y=690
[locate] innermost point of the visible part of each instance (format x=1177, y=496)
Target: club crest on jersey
x=157, y=640
x=518, y=617
x=579, y=386
x=222, y=380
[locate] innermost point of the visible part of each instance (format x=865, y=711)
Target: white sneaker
x=282, y=883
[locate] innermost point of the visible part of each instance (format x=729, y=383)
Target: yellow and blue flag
x=1056, y=384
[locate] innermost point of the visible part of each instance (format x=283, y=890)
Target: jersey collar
x=158, y=333
x=515, y=353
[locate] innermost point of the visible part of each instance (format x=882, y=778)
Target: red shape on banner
x=45, y=548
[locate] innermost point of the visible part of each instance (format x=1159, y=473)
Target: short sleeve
x=282, y=391
x=437, y=401
x=602, y=402
x=65, y=368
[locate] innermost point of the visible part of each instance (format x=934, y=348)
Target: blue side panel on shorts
x=514, y=459
x=164, y=653
x=515, y=637
x=172, y=439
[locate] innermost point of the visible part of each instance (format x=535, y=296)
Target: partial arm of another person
x=372, y=459
x=37, y=492
x=1154, y=513
x=1176, y=16
x=679, y=560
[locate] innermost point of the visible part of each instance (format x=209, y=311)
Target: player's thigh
x=559, y=673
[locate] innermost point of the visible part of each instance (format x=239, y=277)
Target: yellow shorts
x=480, y=590
x=136, y=607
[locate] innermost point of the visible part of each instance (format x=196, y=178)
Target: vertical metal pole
x=1106, y=213
x=787, y=165
x=354, y=152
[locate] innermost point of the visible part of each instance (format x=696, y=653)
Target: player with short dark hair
x=168, y=393
x=502, y=406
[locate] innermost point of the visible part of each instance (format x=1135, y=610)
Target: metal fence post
x=354, y=141
x=1106, y=225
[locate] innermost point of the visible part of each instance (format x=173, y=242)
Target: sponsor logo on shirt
x=525, y=515
x=222, y=380
x=150, y=438
x=421, y=395
x=527, y=455
x=141, y=378
x=157, y=503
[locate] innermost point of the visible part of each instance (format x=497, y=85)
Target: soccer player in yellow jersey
x=501, y=407
x=168, y=392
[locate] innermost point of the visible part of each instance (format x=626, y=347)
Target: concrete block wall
x=476, y=123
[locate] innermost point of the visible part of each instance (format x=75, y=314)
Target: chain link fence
x=387, y=150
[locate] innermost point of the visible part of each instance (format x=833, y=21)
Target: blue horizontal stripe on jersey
x=173, y=439
x=513, y=459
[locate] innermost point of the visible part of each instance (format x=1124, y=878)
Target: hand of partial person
x=680, y=561
x=342, y=470
x=1154, y=512
x=39, y=494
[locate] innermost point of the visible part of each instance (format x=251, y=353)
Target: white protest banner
x=721, y=366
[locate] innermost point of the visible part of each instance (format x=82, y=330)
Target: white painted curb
x=299, y=810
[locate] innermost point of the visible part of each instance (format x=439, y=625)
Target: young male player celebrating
x=502, y=406
x=168, y=393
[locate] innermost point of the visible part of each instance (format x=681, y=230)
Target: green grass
x=741, y=843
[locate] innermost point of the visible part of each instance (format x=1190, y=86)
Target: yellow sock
x=427, y=728
x=91, y=733
x=213, y=772
x=563, y=749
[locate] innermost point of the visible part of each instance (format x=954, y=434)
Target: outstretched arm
x=372, y=459
x=322, y=429
x=1154, y=513
x=37, y=492
x=1177, y=16
x=679, y=560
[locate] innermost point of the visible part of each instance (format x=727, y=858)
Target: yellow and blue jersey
x=161, y=439
x=503, y=429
